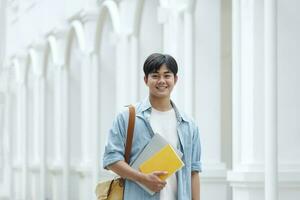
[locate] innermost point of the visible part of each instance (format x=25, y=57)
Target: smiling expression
x=161, y=82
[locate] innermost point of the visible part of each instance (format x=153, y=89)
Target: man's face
x=161, y=82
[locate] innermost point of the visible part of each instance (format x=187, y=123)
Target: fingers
x=160, y=173
x=159, y=187
x=161, y=183
x=154, y=182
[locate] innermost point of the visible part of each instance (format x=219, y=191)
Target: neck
x=163, y=104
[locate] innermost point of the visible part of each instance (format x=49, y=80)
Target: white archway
x=31, y=135
x=52, y=116
x=146, y=27
x=76, y=32
x=107, y=35
x=74, y=68
x=107, y=9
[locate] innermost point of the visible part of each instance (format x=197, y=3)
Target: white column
x=89, y=165
x=188, y=55
x=57, y=166
x=7, y=136
x=42, y=137
x=163, y=18
x=34, y=163
x=121, y=68
x=209, y=99
x=86, y=156
x=247, y=100
x=94, y=115
x=89, y=19
x=64, y=130
x=172, y=21
x=133, y=64
x=58, y=110
x=85, y=133
x=236, y=88
x=271, y=162
x=23, y=138
x=8, y=140
x=19, y=171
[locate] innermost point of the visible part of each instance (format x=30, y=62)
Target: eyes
x=158, y=76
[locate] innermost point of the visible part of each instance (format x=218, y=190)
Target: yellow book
x=164, y=160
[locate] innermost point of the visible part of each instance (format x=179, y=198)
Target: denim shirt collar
x=145, y=109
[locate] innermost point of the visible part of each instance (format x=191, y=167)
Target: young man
x=157, y=114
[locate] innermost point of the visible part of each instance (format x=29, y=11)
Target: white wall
x=2, y=114
x=2, y=32
x=288, y=102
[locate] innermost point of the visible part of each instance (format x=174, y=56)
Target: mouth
x=161, y=87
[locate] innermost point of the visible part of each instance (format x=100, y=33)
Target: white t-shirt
x=165, y=124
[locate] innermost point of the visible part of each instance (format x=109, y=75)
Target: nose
x=161, y=79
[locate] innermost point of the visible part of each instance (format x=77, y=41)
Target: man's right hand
x=153, y=182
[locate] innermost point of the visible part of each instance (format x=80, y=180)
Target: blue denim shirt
x=189, y=145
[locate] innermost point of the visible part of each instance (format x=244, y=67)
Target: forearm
x=195, y=186
x=152, y=180
x=125, y=171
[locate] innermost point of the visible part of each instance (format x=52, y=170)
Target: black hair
x=156, y=60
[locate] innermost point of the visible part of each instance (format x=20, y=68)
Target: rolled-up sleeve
x=196, y=151
x=115, y=147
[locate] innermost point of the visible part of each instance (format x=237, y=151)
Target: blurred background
x=68, y=66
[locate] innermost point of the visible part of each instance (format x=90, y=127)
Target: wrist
x=140, y=177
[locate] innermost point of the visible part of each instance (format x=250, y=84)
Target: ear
x=146, y=80
x=175, y=79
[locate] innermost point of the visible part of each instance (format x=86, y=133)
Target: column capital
x=87, y=15
x=38, y=45
x=58, y=32
x=84, y=15
x=36, y=63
